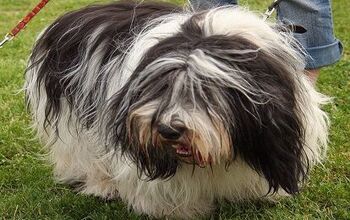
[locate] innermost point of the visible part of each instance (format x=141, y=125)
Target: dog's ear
x=267, y=130
x=271, y=142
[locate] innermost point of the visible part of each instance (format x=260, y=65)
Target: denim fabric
x=315, y=16
x=318, y=40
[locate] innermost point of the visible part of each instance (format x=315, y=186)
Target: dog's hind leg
x=76, y=157
x=67, y=151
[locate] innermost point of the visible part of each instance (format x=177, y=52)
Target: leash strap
x=21, y=25
x=271, y=9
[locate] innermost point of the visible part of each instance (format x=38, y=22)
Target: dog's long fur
x=101, y=80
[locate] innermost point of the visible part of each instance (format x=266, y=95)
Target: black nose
x=170, y=133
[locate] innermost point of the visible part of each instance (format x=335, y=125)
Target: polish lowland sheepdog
x=172, y=109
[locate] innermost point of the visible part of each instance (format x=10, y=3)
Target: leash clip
x=271, y=9
x=6, y=39
x=268, y=13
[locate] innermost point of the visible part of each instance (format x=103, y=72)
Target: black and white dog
x=172, y=109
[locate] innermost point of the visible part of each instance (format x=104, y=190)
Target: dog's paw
x=105, y=189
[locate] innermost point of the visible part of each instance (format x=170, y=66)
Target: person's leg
x=315, y=16
x=204, y=4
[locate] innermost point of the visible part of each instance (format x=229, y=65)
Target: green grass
x=27, y=190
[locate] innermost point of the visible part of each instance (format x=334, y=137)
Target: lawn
x=27, y=190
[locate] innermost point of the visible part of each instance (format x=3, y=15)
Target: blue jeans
x=313, y=15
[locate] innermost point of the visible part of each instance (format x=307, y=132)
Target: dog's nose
x=170, y=133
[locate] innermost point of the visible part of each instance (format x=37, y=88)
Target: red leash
x=21, y=25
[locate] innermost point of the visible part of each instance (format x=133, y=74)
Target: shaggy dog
x=172, y=109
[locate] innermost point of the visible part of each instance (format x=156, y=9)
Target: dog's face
x=224, y=86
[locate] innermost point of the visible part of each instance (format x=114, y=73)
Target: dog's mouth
x=183, y=150
x=189, y=155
